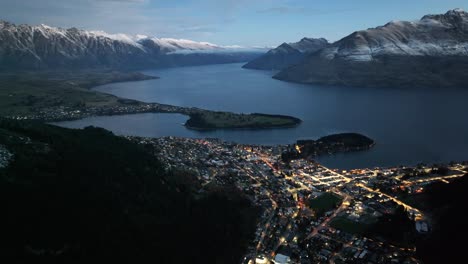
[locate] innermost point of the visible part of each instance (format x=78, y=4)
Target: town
x=310, y=213
x=198, y=119
x=65, y=113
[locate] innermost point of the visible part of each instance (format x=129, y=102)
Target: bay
x=409, y=125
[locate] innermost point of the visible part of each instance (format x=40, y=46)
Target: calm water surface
x=409, y=125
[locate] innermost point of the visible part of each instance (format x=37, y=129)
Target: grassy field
x=24, y=93
x=325, y=202
x=217, y=120
x=348, y=225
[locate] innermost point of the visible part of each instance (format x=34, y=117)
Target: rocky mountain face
x=310, y=45
x=431, y=52
x=287, y=54
x=44, y=47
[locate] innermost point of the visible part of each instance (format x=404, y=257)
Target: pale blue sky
x=224, y=22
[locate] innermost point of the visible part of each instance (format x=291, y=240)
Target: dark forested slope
x=445, y=244
x=82, y=195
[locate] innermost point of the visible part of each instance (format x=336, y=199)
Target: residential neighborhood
x=310, y=213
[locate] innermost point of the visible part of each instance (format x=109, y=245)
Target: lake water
x=409, y=125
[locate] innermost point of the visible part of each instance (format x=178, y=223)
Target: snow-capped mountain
x=174, y=45
x=310, y=45
x=433, y=35
x=31, y=47
x=166, y=44
x=432, y=51
x=287, y=54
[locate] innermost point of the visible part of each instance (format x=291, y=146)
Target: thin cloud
x=283, y=10
x=287, y=10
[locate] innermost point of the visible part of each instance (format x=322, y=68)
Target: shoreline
x=198, y=119
x=154, y=108
x=242, y=128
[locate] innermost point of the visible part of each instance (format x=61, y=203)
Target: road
x=341, y=208
x=347, y=198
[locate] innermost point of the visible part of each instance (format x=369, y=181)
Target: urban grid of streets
x=283, y=190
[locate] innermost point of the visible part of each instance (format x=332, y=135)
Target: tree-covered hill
x=78, y=196
x=447, y=203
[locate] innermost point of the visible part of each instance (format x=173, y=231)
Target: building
x=282, y=259
x=261, y=260
x=422, y=227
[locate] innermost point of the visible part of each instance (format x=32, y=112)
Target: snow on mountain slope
x=166, y=44
x=118, y=37
x=307, y=45
x=287, y=54
x=172, y=45
x=42, y=46
x=430, y=52
x=433, y=35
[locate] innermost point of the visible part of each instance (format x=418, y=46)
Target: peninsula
x=207, y=120
x=53, y=97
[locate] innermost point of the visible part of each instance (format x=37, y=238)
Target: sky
x=250, y=23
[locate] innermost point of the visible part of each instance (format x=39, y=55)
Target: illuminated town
x=310, y=213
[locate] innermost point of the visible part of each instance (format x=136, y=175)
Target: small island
x=344, y=141
x=66, y=95
x=331, y=144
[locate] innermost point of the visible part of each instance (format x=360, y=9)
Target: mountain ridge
x=431, y=52
x=287, y=54
x=36, y=47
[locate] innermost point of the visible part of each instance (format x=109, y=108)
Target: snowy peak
x=3, y=24
x=167, y=45
x=119, y=36
x=305, y=45
x=433, y=35
x=454, y=13
x=287, y=54
x=430, y=52
x=457, y=12
x=310, y=44
x=453, y=18
x=174, y=45
x=43, y=46
x=284, y=48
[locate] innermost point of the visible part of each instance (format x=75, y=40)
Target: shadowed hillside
x=80, y=195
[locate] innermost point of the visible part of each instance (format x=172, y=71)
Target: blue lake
x=409, y=125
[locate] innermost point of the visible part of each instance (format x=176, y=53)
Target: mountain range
x=287, y=54
x=45, y=47
x=430, y=52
